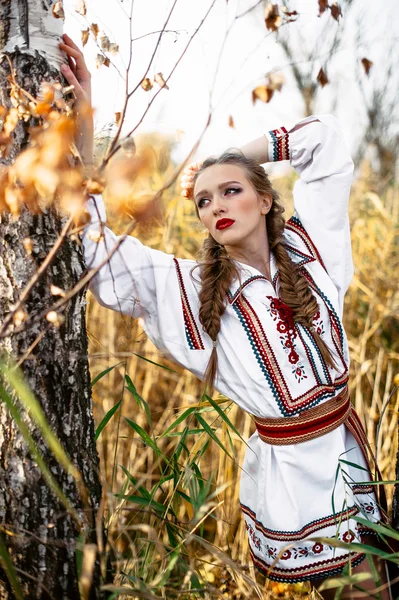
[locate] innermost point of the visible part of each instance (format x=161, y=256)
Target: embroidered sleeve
x=317, y=151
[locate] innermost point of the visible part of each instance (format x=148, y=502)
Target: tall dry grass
x=139, y=542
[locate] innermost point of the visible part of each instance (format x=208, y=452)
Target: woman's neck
x=259, y=259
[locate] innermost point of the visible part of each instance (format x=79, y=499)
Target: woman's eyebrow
x=220, y=186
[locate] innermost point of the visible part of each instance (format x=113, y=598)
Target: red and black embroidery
x=294, y=224
x=306, y=531
x=283, y=315
x=280, y=141
x=319, y=569
x=192, y=333
x=273, y=370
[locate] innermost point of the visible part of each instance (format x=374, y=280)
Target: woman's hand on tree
x=77, y=74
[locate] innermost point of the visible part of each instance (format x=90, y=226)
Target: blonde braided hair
x=217, y=269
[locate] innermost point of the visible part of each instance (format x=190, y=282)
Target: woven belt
x=311, y=423
x=317, y=421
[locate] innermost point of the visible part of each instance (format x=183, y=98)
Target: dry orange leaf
x=58, y=10
x=95, y=29
x=335, y=11
x=80, y=7
x=323, y=5
x=367, y=64
x=10, y=122
x=262, y=93
x=102, y=60
x=146, y=84
x=160, y=81
x=272, y=17
x=117, y=117
x=231, y=122
x=322, y=78
x=42, y=108
x=85, y=36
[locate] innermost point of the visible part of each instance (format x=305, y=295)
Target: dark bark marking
x=24, y=20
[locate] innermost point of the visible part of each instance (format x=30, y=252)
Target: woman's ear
x=267, y=202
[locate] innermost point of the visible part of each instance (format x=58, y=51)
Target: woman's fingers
x=71, y=79
x=76, y=54
x=77, y=74
x=72, y=65
x=70, y=41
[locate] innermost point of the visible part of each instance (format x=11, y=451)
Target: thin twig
x=111, y=151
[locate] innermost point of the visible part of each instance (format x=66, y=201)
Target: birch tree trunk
x=36, y=529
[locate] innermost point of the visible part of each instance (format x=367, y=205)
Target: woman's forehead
x=218, y=174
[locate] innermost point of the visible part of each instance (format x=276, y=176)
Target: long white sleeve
x=134, y=280
x=317, y=151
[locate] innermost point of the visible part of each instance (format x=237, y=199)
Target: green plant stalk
x=10, y=571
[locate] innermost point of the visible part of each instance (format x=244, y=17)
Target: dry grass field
x=180, y=534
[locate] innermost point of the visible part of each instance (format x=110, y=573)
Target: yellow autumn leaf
x=58, y=10
x=95, y=29
x=262, y=93
x=146, y=84
x=85, y=36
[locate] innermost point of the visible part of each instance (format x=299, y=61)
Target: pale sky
x=247, y=54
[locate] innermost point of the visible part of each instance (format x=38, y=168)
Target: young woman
x=258, y=317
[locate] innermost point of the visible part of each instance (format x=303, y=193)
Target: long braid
x=294, y=288
x=217, y=269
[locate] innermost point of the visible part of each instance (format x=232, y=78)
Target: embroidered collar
x=250, y=274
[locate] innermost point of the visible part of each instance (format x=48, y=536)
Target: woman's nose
x=218, y=206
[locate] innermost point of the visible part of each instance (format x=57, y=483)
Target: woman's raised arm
x=316, y=149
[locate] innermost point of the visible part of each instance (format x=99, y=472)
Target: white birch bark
x=33, y=28
x=38, y=533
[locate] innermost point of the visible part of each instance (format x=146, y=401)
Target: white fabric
x=264, y=370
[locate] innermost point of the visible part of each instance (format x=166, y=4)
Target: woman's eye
x=232, y=189
x=201, y=202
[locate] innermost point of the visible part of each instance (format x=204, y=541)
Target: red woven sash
x=317, y=421
x=311, y=423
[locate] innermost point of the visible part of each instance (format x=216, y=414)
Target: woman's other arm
x=316, y=149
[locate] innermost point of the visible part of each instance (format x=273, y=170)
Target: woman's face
x=229, y=206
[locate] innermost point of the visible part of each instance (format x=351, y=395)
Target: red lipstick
x=224, y=223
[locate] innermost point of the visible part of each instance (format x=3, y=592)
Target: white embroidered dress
x=269, y=366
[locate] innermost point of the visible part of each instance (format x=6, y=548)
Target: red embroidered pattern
x=280, y=143
x=323, y=568
x=295, y=225
x=192, y=334
x=318, y=323
x=282, y=313
x=270, y=366
x=306, y=531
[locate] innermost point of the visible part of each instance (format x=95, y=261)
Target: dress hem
x=320, y=571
